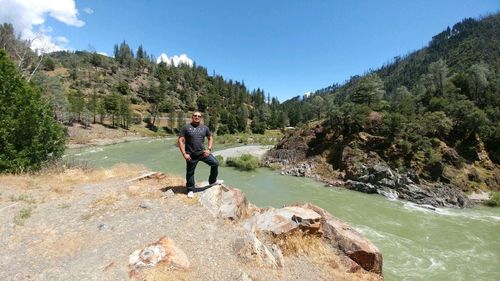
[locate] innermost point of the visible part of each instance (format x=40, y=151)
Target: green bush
x=29, y=135
x=220, y=159
x=494, y=200
x=23, y=215
x=245, y=162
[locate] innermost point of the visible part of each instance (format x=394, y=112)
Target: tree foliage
x=29, y=136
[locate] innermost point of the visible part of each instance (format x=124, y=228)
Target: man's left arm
x=210, y=143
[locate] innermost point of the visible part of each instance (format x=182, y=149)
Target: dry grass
x=107, y=200
x=298, y=243
x=158, y=273
x=64, y=181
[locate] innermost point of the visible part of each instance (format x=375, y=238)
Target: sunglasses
x=196, y=115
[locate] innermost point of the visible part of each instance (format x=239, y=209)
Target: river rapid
x=416, y=243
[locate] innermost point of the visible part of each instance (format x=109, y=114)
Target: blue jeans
x=191, y=166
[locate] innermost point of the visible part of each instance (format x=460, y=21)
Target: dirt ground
x=97, y=134
x=79, y=224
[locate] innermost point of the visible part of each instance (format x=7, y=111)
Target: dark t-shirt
x=195, y=137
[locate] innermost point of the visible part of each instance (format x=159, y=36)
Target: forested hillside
x=88, y=87
x=431, y=111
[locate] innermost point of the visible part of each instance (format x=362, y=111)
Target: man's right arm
x=182, y=147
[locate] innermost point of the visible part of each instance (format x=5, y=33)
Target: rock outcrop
x=356, y=251
x=369, y=173
x=361, y=161
x=380, y=178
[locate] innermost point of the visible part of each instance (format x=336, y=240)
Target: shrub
x=245, y=162
x=29, y=135
x=494, y=200
x=220, y=159
x=23, y=215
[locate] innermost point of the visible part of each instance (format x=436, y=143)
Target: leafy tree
x=393, y=124
x=76, y=104
x=125, y=112
x=257, y=126
x=123, y=88
x=93, y=105
x=29, y=136
x=112, y=106
x=123, y=54
x=49, y=64
x=369, y=90
x=243, y=115
x=318, y=105
x=436, y=124
x=181, y=119
x=403, y=102
x=478, y=81
x=53, y=93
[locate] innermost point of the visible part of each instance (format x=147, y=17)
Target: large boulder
x=225, y=202
x=284, y=220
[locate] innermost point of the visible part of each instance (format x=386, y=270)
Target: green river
x=416, y=243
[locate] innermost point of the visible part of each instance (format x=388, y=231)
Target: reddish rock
x=161, y=253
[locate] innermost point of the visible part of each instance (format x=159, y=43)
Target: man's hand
x=206, y=153
x=187, y=157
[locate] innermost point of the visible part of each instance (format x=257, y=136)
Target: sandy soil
x=83, y=225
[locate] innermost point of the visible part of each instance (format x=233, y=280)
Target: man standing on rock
x=191, y=143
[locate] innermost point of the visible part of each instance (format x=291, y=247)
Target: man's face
x=196, y=117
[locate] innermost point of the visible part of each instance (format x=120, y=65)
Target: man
x=191, y=143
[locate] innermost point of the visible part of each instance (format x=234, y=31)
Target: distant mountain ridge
x=432, y=115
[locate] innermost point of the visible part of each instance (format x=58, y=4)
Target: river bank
x=417, y=243
x=79, y=136
x=86, y=224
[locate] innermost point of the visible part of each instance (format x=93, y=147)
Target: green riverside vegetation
x=245, y=162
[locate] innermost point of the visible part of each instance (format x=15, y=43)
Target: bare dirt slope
x=97, y=134
x=83, y=225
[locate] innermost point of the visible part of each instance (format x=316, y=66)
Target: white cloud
x=28, y=18
x=88, y=10
x=61, y=40
x=175, y=60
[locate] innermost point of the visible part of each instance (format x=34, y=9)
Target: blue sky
x=286, y=48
